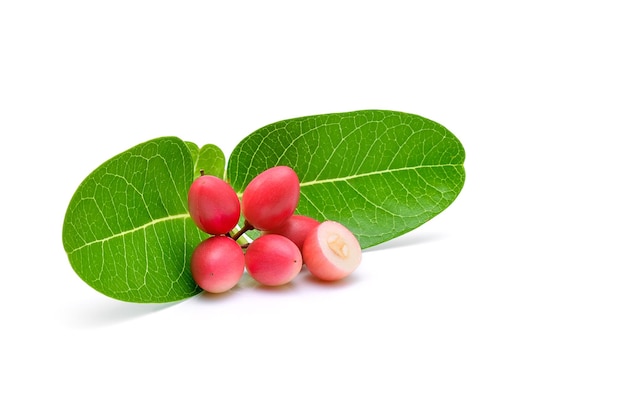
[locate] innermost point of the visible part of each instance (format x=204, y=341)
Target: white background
x=511, y=300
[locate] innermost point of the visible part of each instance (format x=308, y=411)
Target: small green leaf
x=380, y=173
x=127, y=231
x=210, y=158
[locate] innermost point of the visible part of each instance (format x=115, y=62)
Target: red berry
x=273, y=260
x=217, y=264
x=271, y=197
x=296, y=228
x=213, y=205
x=331, y=252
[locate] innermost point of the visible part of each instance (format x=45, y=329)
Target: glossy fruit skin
x=296, y=228
x=271, y=197
x=331, y=252
x=273, y=260
x=213, y=205
x=217, y=264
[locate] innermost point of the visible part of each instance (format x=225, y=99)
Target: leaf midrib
x=384, y=171
x=130, y=231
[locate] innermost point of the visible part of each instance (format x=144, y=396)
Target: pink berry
x=331, y=252
x=217, y=264
x=271, y=197
x=296, y=228
x=213, y=205
x=273, y=260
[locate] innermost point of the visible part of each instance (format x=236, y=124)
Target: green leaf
x=209, y=158
x=380, y=173
x=127, y=231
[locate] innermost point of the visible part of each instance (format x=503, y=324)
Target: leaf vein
x=130, y=231
x=365, y=174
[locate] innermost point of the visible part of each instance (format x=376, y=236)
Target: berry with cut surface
x=217, y=264
x=273, y=260
x=213, y=205
x=271, y=197
x=331, y=252
x=296, y=228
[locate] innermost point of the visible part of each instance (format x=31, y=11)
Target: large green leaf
x=380, y=173
x=127, y=231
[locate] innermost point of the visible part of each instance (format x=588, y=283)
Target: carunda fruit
x=331, y=252
x=273, y=260
x=213, y=205
x=296, y=228
x=271, y=197
x=217, y=264
x=287, y=241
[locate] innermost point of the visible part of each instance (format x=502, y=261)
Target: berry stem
x=246, y=227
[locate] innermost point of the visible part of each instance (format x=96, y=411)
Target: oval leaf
x=380, y=173
x=127, y=231
x=209, y=158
